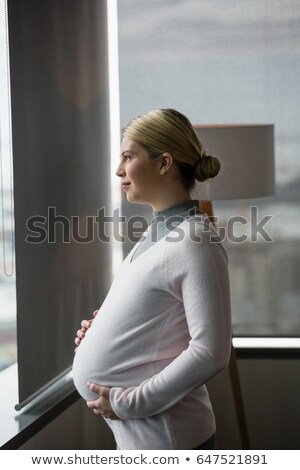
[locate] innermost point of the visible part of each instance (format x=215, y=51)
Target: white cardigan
x=162, y=332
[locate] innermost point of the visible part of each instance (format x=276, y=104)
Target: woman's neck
x=180, y=209
x=169, y=200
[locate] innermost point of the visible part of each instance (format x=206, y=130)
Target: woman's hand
x=85, y=325
x=101, y=406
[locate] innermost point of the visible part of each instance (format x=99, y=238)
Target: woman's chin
x=131, y=197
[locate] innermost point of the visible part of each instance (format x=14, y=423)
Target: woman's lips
x=125, y=186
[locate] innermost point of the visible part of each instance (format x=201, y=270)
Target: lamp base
x=207, y=208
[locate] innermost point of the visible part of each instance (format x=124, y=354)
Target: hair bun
x=207, y=167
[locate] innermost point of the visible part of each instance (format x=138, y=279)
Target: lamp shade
x=246, y=153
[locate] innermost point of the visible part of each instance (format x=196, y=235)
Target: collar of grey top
x=184, y=209
x=163, y=222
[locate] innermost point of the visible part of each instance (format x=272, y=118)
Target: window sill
x=266, y=348
x=19, y=426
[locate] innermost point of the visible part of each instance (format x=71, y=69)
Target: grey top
x=164, y=221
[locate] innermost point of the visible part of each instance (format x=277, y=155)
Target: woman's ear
x=166, y=161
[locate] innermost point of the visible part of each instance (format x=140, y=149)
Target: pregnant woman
x=164, y=328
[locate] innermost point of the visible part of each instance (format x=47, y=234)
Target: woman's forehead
x=129, y=145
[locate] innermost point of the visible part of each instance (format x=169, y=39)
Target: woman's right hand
x=85, y=325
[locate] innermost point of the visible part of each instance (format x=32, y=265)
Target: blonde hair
x=167, y=130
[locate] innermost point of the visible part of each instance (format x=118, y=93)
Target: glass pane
x=8, y=349
x=230, y=62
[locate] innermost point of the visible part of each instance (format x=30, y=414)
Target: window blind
x=60, y=128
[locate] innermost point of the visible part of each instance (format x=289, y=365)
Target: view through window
x=230, y=63
x=8, y=349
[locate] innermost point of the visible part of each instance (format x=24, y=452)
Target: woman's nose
x=120, y=170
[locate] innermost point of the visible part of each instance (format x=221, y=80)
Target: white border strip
x=279, y=343
x=114, y=97
x=115, y=125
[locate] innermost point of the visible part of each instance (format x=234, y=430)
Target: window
x=60, y=137
x=214, y=61
x=8, y=350
x=230, y=62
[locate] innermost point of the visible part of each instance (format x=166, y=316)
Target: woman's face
x=140, y=176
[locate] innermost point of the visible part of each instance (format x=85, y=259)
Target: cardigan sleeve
x=196, y=273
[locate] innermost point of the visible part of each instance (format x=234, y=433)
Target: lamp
x=246, y=153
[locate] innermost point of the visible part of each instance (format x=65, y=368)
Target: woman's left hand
x=101, y=406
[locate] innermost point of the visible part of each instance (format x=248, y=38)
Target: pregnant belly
x=110, y=356
x=129, y=341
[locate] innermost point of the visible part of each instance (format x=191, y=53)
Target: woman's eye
x=127, y=157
